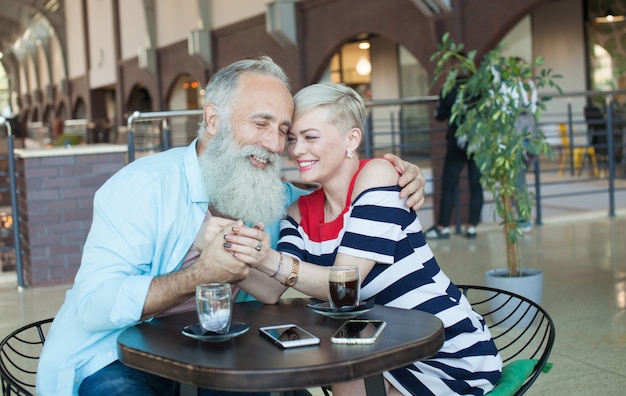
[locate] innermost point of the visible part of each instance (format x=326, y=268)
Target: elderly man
x=147, y=248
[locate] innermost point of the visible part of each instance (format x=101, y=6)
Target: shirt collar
x=197, y=188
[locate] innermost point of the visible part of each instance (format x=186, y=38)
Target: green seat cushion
x=514, y=375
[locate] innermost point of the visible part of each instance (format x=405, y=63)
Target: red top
x=312, y=212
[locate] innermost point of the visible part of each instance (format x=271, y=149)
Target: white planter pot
x=529, y=285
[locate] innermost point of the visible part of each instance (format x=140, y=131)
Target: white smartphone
x=356, y=331
x=289, y=335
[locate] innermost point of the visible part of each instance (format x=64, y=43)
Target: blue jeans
x=117, y=379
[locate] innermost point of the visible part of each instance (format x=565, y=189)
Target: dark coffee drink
x=343, y=286
x=344, y=294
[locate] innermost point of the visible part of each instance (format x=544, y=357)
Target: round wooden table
x=251, y=363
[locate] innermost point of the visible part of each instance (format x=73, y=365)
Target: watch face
x=291, y=280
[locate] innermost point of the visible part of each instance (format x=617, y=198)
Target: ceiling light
x=363, y=66
x=51, y=5
x=364, y=45
x=609, y=17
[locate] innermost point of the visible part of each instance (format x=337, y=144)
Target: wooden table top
x=250, y=362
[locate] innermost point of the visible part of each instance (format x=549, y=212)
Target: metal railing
x=406, y=127
x=156, y=132
x=14, y=206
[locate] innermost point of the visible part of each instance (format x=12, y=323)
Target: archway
x=48, y=116
x=139, y=100
x=379, y=69
x=186, y=93
x=5, y=93
x=147, y=134
x=61, y=112
x=80, y=110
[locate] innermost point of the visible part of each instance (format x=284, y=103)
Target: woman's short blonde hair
x=346, y=107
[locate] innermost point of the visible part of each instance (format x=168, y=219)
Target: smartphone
x=358, y=331
x=289, y=335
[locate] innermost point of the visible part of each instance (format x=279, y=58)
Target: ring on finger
x=259, y=244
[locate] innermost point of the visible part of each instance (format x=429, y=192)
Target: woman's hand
x=249, y=245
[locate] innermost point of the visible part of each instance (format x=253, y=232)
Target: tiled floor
x=583, y=258
x=584, y=264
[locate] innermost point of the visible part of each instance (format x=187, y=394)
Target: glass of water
x=213, y=303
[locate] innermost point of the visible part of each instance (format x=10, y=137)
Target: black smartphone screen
x=358, y=332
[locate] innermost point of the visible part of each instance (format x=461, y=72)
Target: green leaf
x=486, y=110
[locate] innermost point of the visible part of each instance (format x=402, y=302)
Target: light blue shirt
x=145, y=219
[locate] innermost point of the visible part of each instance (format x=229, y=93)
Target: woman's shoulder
x=377, y=172
x=293, y=211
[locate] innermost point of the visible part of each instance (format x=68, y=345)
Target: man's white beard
x=238, y=189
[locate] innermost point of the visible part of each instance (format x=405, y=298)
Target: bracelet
x=280, y=264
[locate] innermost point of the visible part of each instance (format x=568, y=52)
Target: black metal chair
x=19, y=355
x=520, y=328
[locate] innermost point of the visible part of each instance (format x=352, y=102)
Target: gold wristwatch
x=293, y=276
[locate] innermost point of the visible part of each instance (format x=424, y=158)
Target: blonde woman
x=357, y=217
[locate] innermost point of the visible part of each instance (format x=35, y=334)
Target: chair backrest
x=19, y=355
x=520, y=328
x=564, y=136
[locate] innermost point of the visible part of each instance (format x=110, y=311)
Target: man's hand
x=209, y=229
x=411, y=180
x=217, y=264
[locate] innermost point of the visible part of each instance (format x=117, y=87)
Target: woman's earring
x=349, y=154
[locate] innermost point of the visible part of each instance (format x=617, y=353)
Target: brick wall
x=55, y=202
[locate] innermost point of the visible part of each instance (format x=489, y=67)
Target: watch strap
x=293, y=276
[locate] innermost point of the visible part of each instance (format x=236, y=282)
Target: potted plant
x=486, y=109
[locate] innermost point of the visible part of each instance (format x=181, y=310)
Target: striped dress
x=378, y=226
